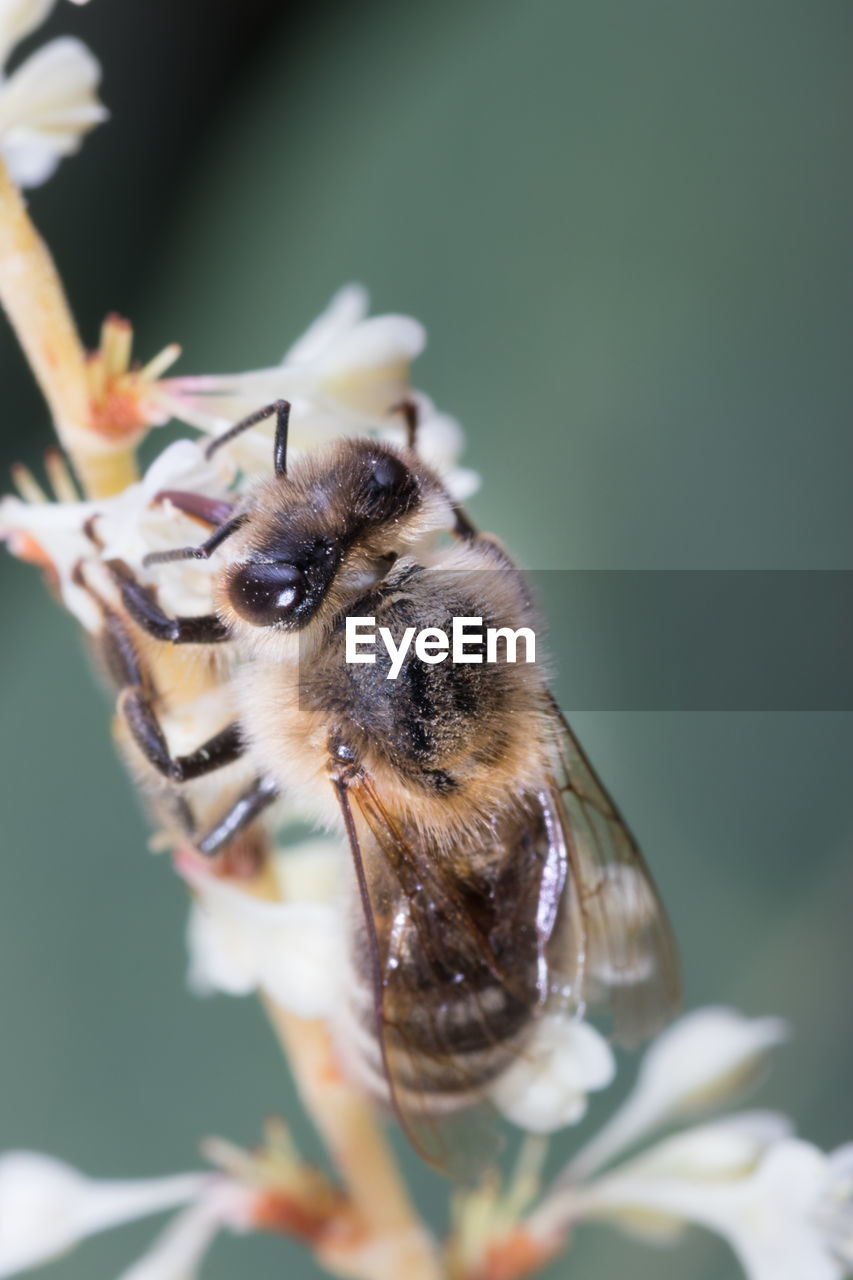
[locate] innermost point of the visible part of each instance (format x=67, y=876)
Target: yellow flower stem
x=361, y=1153
x=399, y=1245
x=33, y=298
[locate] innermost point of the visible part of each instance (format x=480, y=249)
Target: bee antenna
x=282, y=421
x=281, y=409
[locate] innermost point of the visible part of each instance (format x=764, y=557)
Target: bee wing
x=620, y=950
x=458, y=971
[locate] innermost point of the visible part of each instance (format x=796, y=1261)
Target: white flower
x=704, y=1059
x=49, y=102
x=46, y=1207
x=348, y=367
x=727, y=1148
x=547, y=1087
x=768, y=1198
x=291, y=950
x=835, y=1209
x=130, y=525
x=179, y=1251
x=347, y=375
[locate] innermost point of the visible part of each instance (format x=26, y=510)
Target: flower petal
x=17, y=19
x=705, y=1059
x=178, y=1252
x=47, y=1207
x=835, y=1210
x=311, y=871
x=348, y=306
x=292, y=950
x=345, y=375
x=547, y=1087
x=51, y=533
x=46, y=107
x=769, y=1216
x=727, y=1148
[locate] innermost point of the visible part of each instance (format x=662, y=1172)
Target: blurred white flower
x=834, y=1213
x=312, y=871
x=18, y=19
x=293, y=950
x=767, y=1195
x=347, y=375
x=547, y=1087
x=348, y=366
x=179, y=1251
x=47, y=1207
x=705, y=1059
x=727, y=1148
x=48, y=102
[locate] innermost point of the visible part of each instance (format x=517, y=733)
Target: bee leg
x=141, y=604
x=138, y=714
x=242, y=813
x=462, y=527
x=210, y=511
x=115, y=645
x=203, y=551
x=408, y=410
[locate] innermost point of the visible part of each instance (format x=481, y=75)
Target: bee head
x=325, y=532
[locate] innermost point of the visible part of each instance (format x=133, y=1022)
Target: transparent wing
x=458, y=951
x=620, y=950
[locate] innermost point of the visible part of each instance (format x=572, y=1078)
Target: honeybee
x=496, y=880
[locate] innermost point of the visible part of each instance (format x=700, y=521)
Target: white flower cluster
x=347, y=374
x=49, y=101
x=785, y=1207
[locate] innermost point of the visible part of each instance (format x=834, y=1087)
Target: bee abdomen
x=442, y=1049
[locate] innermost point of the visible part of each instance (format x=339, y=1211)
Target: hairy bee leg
x=408, y=410
x=210, y=511
x=201, y=552
x=119, y=653
x=115, y=644
x=245, y=809
x=183, y=815
x=462, y=527
x=138, y=714
x=141, y=604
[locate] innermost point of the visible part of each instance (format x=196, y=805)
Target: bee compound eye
x=387, y=473
x=389, y=482
x=266, y=592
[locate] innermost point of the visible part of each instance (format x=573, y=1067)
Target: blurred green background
x=627, y=229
